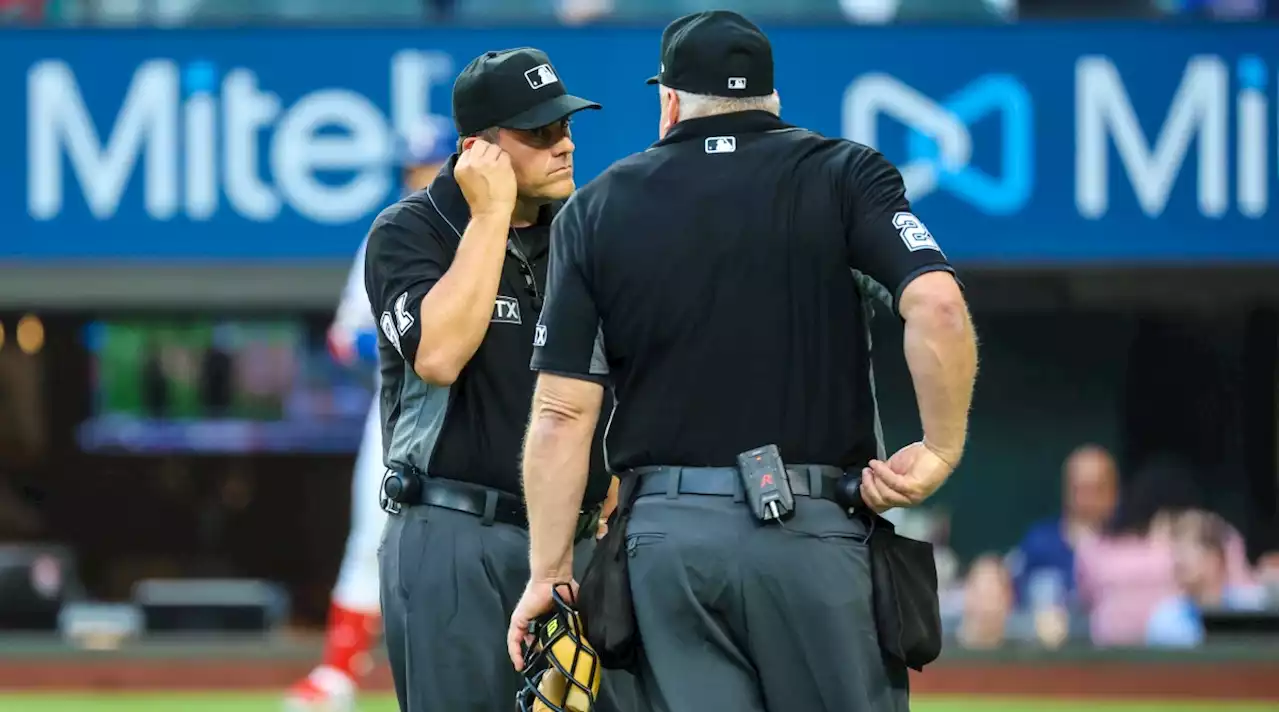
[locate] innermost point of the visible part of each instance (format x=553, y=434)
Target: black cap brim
x=548, y=112
x=653, y=80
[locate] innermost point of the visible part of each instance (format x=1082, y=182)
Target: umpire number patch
x=396, y=322
x=913, y=232
x=388, y=325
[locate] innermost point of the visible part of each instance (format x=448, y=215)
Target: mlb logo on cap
x=720, y=144
x=540, y=76
x=717, y=52
x=511, y=89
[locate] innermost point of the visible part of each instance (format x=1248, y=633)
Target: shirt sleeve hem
x=597, y=378
x=911, y=276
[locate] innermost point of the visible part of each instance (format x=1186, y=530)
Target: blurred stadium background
x=183, y=184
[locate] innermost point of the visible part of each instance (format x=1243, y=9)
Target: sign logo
x=540, y=76
x=939, y=148
x=1199, y=111
x=720, y=144
x=506, y=310
x=203, y=140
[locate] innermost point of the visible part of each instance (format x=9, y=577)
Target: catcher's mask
x=561, y=670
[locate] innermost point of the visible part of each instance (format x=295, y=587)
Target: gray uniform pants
x=750, y=617
x=449, y=586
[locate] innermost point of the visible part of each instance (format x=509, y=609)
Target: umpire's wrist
x=551, y=580
x=552, y=572
x=950, y=456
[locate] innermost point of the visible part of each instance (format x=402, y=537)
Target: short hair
x=693, y=106
x=989, y=560
x=490, y=134
x=1209, y=531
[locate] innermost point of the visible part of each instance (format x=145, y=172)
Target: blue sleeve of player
x=367, y=346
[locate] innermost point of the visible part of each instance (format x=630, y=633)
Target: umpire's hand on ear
x=487, y=180
x=909, y=477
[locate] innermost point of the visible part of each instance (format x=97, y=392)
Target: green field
x=213, y=702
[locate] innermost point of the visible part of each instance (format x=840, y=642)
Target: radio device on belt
x=764, y=480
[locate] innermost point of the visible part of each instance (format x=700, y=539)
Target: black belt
x=489, y=504
x=816, y=481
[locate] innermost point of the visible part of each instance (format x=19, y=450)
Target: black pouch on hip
x=904, y=592
x=604, y=593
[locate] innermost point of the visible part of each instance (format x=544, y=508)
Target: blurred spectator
x=1194, y=524
x=985, y=617
x=1046, y=554
x=988, y=602
x=1200, y=568
x=1123, y=575
x=1267, y=574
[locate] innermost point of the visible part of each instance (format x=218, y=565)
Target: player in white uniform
x=354, y=622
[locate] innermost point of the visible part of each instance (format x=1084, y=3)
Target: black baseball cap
x=511, y=89
x=719, y=53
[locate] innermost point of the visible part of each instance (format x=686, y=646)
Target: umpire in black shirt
x=456, y=275
x=719, y=283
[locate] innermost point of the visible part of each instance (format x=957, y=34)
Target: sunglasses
x=544, y=137
x=531, y=286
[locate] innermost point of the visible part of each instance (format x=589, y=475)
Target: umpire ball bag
x=904, y=596
x=604, y=594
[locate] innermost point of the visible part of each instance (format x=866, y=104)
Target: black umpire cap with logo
x=511, y=89
x=718, y=53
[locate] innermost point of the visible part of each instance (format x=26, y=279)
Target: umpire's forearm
x=557, y=455
x=455, y=314
x=942, y=354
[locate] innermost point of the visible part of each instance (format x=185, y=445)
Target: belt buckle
x=385, y=503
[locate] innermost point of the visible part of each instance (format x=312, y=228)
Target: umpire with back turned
x=722, y=276
x=455, y=275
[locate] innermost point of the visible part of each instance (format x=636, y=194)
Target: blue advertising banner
x=1040, y=144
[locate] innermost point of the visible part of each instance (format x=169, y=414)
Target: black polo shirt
x=472, y=430
x=708, y=279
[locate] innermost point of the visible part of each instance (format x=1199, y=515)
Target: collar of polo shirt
x=741, y=122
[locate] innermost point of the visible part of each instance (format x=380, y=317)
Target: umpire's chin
x=553, y=186
x=560, y=184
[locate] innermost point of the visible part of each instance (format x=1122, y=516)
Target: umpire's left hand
x=610, y=504
x=909, y=477
x=536, y=601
